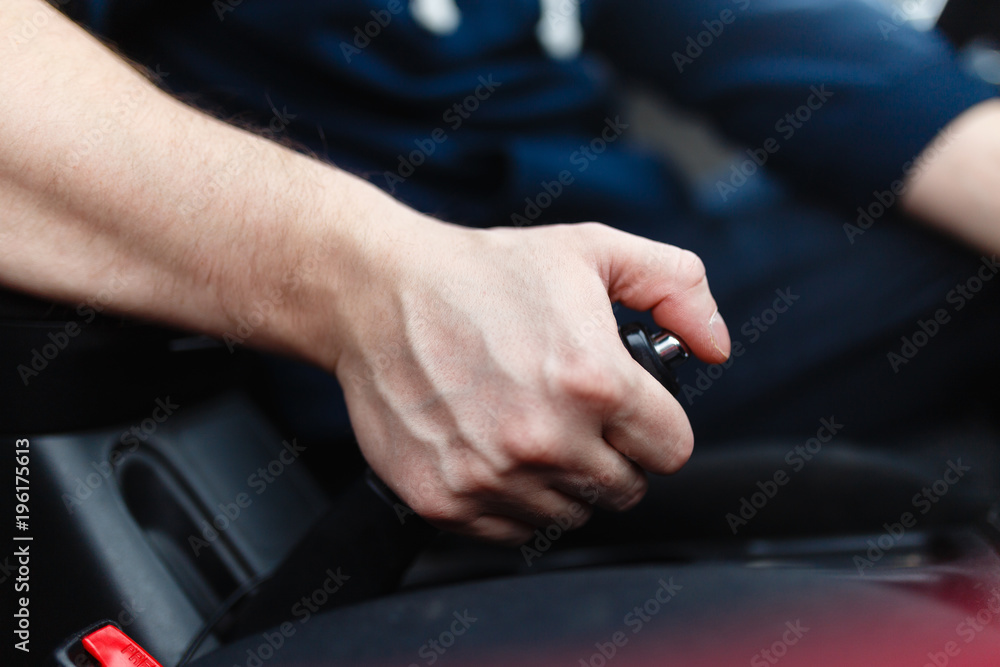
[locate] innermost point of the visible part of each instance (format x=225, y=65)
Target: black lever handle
x=373, y=537
x=358, y=550
x=659, y=353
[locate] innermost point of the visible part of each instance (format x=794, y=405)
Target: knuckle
x=635, y=494
x=469, y=477
x=570, y=518
x=678, y=452
x=607, y=481
x=438, y=503
x=440, y=511
x=593, y=238
x=617, y=491
x=513, y=536
x=585, y=514
x=497, y=530
x=590, y=382
x=531, y=442
x=592, y=228
x=540, y=451
x=591, y=493
x=691, y=270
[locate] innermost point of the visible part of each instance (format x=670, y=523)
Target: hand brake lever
x=372, y=537
x=659, y=353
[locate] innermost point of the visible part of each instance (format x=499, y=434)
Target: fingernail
x=720, y=334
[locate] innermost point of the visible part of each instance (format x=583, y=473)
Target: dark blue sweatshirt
x=482, y=124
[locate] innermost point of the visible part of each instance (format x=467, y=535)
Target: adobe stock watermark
x=436, y=647
x=884, y=200
x=129, y=612
x=310, y=604
x=272, y=642
x=970, y=628
x=900, y=13
x=264, y=308
x=796, y=459
x=362, y=35
x=483, y=425
x=415, y=327
x=258, y=481
x=237, y=163
x=598, y=323
x=696, y=45
x=561, y=524
x=922, y=501
x=786, y=127
x=635, y=620
x=753, y=329
x=392, y=351
x=58, y=340
x=7, y=569
x=453, y=117
x=926, y=329
x=129, y=440
x=580, y=160
x=22, y=33
x=792, y=635
x=123, y=110
x=559, y=30
x=303, y=610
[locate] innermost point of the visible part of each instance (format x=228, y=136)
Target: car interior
x=170, y=502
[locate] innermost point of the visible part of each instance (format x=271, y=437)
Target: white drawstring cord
x=559, y=29
x=441, y=17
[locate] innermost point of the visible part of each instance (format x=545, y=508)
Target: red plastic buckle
x=113, y=648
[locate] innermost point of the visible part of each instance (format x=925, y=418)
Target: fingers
x=606, y=478
x=574, y=421
x=670, y=282
x=494, y=528
x=650, y=428
x=543, y=507
x=632, y=422
x=515, y=521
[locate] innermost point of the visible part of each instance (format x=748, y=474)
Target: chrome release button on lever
x=659, y=353
x=670, y=349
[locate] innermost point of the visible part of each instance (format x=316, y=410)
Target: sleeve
x=843, y=91
x=90, y=13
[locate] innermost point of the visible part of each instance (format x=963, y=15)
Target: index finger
x=671, y=282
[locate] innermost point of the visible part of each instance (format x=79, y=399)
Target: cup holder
x=179, y=528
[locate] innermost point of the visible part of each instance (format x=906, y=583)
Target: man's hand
x=486, y=380
x=483, y=369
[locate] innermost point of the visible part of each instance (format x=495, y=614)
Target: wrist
x=337, y=268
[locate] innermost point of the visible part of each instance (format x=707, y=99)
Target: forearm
x=106, y=179
x=955, y=185
x=470, y=386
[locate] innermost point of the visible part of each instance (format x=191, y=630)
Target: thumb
x=670, y=282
